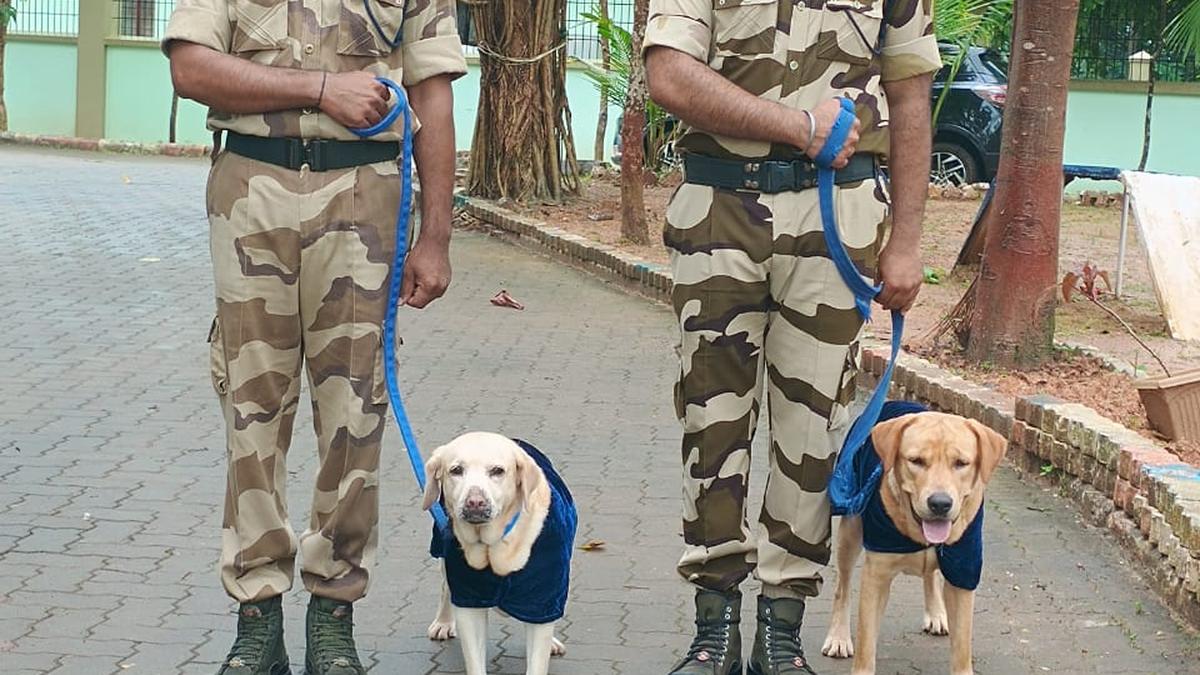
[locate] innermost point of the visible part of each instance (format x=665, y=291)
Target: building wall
x=1104, y=119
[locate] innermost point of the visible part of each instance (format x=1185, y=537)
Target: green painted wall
x=138, y=90
x=1103, y=126
x=39, y=87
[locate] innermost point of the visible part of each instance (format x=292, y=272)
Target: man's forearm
x=233, y=85
x=433, y=148
x=908, y=159
x=674, y=78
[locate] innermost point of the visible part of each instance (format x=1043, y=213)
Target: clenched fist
x=355, y=99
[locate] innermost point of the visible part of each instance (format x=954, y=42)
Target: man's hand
x=814, y=139
x=426, y=274
x=901, y=272
x=355, y=99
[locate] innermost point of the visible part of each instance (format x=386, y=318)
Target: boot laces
x=333, y=639
x=712, y=639
x=253, y=636
x=781, y=643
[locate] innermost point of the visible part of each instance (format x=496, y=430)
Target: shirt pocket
x=850, y=31
x=744, y=27
x=261, y=25
x=370, y=27
x=218, y=364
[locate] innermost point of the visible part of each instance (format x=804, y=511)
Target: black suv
x=966, y=142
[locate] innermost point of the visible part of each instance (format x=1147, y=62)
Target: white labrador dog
x=485, y=480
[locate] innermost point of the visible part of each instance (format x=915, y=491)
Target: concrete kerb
x=104, y=145
x=1120, y=480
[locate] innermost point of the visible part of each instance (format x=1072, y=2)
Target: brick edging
x=652, y=277
x=104, y=145
x=1121, y=481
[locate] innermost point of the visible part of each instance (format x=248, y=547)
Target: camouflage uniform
x=301, y=262
x=757, y=295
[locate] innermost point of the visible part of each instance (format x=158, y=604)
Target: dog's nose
x=475, y=503
x=940, y=503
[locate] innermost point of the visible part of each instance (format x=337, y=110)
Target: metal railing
x=46, y=17
x=582, y=42
x=142, y=18
x=1108, y=34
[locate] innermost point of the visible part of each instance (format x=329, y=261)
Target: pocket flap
x=260, y=25
x=730, y=4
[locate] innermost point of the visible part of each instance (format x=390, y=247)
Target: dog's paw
x=838, y=646
x=936, y=624
x=442, y=630
x=557, y=648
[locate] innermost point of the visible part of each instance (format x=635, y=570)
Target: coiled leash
x=848, y=493
x=401, y=108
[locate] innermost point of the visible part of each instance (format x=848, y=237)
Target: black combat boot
x=777, y=649
x=258, y=648
x=330, y=648
x=717, y=648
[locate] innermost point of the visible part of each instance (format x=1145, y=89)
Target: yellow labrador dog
x=505, y=505
x=935, y=467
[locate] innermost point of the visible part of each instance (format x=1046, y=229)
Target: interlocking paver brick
x=109, y=412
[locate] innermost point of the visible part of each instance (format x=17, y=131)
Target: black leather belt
x=319, y=154
x=769, y=175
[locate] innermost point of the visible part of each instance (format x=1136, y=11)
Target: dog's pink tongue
x=935, y=531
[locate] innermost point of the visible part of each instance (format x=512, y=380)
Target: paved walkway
x=111, y=461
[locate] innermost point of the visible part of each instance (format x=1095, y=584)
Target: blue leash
x=389, y=323
x=849, y=494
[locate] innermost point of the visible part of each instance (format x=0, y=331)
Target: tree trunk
x=523, y=148
x=3, y=40
x=633, y=206
x=1013, y=320
x=1149, y=111
x=171, y=123
x=602, y=120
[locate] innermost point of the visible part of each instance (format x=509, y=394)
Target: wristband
x=812, y=130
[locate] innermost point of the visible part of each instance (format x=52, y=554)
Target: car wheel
x=952, y=164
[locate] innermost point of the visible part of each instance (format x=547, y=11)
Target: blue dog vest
x=961, y=562
x=536, y=593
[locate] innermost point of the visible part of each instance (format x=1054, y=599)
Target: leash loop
x=401, y=108
x=848, y=495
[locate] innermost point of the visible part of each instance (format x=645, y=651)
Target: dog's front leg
x=539, y=642
x=838, y=644
x=442, y=627
x=935, y=604
x=472, y=635
x=872, y=600
x=960, y=606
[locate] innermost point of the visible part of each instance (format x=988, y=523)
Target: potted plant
x=1172, y=402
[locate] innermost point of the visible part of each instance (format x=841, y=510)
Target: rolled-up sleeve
x=683, y=25
x=204, y=22
x=431, y=43
x=909, y=45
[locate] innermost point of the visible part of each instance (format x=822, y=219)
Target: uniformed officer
x=756, y=294
x=302, y=219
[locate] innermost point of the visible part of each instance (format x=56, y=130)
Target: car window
x=966, y=71
x=995, y=64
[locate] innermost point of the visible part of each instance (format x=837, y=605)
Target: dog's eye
x=916, y=461
x=961, y=464
x=496, y=471
x=456, y=470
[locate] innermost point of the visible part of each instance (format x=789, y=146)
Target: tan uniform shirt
x=404, y=40
x=798, y=53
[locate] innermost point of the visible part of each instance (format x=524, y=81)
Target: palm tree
x=965, y=23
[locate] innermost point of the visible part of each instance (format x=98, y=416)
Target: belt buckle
x=805, y=173
x=777, y=177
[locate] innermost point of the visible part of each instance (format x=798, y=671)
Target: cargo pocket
x=218, y=364
x=850, y=31
x=839, y=415
x=744, y=27
x=379, y=392
x=370, y=27
x=259, y=26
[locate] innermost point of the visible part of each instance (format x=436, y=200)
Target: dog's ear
x=886, y=439
x=535, y=490
x=992, y=447
x=433, y=478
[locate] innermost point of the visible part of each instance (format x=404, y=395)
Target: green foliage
x=614, y=82
x=1183, y=33
x=8, y=11
x=964, y=23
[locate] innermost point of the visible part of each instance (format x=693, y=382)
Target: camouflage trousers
x=301, y=261
x=757, y=298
